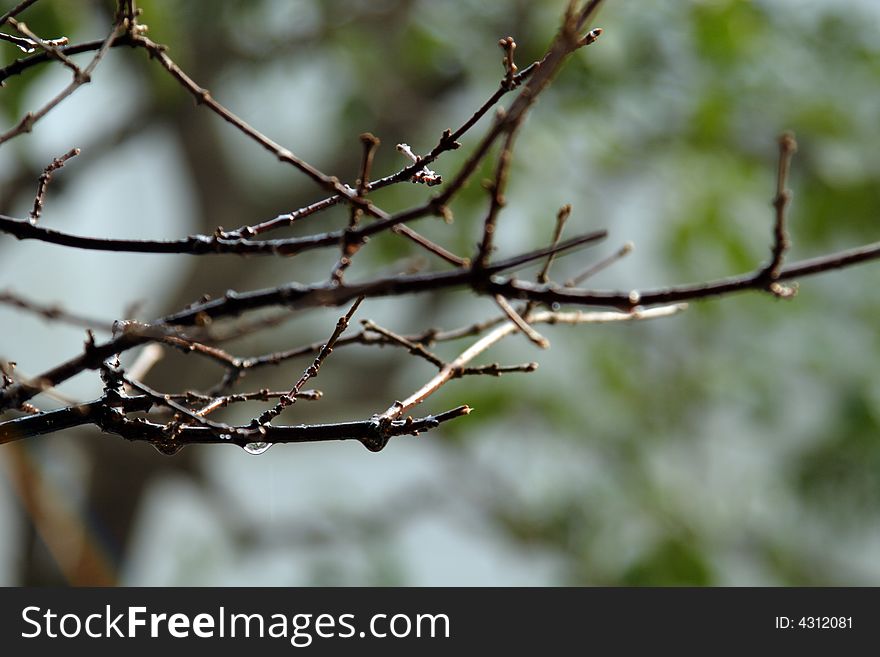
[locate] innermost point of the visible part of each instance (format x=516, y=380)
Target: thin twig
x=522, y=325
x=311, y=371
x=494, y=369
x=28, y=45
x=370, y=143
x=169, y=401
x=787, y=148
x=497, y=201
x=601, y=265
x=51, y=46
x=45, y=179
x=16, y=10
x=203, y=97
x=95, y=412
x=414, y=347
x=214, y=403
x=452, y=369
x=447, y=142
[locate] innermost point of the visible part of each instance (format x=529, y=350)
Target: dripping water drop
x=257, y=448
x=168, y=449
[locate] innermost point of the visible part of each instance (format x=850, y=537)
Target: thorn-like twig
x=370, y=143
x=508, y=45
x=45, y=178
x=787, y=148
x=543, y=276
x=494, y=369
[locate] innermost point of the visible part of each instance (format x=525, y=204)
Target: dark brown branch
x=281, y=221
x=203, y=97
x=522, y=325
x=219, y=244
x=162, y=399
x=16, y=10
x=110, y=417
x=295, y=295
x=299, y=296
x=483, y=277
x=447, y=142
x=370, y=143
x=212, y=404
x=231, y=304
x=543, y=275
x=494, y=369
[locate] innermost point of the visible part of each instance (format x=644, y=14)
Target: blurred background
x=735, y=444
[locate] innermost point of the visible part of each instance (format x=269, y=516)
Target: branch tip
x=590, y=37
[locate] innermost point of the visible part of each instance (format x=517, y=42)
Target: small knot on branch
x=447, y=142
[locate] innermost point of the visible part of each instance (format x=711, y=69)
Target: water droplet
x=168, y=449
x=257, y=448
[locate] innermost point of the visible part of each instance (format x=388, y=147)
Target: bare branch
x=45, y=178
x=454, y=368
x=787, y=148
x=53, y=312
x=80, y=77
x=109, y=417
x=414, y=347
